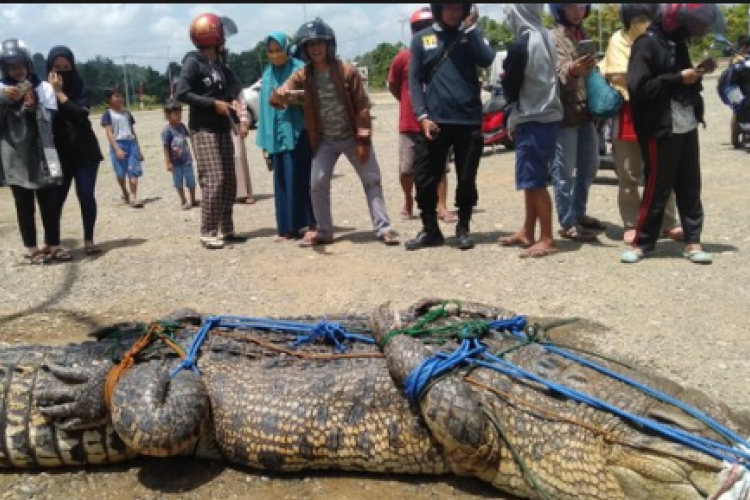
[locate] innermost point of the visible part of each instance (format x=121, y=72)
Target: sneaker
x=187, y=205
x=212, y=242
x=425, y=240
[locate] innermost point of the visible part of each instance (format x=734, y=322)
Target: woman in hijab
x=75, y=140
x=285, y=144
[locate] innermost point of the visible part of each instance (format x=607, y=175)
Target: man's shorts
x=535, y=151
x=406, y=142
x=183, y=176
x=130, y=166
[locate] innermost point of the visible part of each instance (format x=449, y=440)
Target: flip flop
x=579, y=235
x=38, y=257
x=536, y=253
x=698, y=257
x=592, y=223
x=315, y=241
x=60, y=254
x=513, y=241
x=92, y=250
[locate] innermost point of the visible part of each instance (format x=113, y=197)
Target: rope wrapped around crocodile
x=444, y=387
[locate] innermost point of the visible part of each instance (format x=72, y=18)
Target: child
x=174, y=137
x=123, y=145
x=530, y=85
x=26, y=105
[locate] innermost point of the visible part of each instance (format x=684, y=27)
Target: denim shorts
x=183, y=176
x=130, y=166
x=535, y=152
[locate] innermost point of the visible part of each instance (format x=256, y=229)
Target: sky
x=153, y=34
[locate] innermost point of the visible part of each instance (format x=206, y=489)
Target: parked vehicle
x=734, y=89
x=252, y=98
x=495, y=119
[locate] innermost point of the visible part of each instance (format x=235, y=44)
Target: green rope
x=527, y=473
x=469, y=329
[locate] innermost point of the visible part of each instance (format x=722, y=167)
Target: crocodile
x=259, y=404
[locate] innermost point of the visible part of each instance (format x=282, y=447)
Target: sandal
x=313, y=241
x=577, y=233
x=389, y=238
x=38, y=257
x=212, y=242
x=59, y=254
x=136, y=204
x=92, y=250
x=536, y=253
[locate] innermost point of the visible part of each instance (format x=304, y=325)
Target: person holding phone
x=210, y=89
x=665, y=92
x=577, y=153
x=446, y=97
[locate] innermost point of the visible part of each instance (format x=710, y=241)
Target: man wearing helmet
x=337, y=119
x=665, y=93
x=209, y=88
x=408, y=127
x=446, y=96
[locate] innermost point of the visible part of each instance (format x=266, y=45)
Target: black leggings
x=26, y=212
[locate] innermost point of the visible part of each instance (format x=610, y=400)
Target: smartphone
x=707, y=65
x=586, y=48
x=24, y=86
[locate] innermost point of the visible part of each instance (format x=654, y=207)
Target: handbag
x=603, y=100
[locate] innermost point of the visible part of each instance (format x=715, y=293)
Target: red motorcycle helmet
x=210, y=30
x=421, y=19
x=693, y=19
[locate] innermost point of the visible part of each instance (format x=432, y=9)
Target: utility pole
x=169, y=72
x=599, y=20
x=304, y=11
x=125, y=80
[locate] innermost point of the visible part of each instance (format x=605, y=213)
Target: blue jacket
x=453, y=96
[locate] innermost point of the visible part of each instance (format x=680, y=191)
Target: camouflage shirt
x=333, y=120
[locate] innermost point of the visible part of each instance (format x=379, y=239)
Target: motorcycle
x=734, y=90
x=495, y=119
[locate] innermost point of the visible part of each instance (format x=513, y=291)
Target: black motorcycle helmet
x=630, y=11
x=437, y=11
x=14, y=51
x=317, y=29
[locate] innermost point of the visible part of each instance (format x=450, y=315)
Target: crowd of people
x=314, y=107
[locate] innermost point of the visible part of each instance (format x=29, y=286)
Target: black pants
x=429, y=166
x=47, y=199
x=85, y=177
x=672, y=164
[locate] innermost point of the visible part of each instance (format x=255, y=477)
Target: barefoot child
x=123, y=145
x=174, y=137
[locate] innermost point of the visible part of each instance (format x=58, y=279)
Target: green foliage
x=498, y=34
x=378, y=61
x=610, y=23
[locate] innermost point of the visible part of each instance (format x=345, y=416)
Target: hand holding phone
x=707, y=65
x=586, y=48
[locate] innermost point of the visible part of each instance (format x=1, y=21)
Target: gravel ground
x=681, y=320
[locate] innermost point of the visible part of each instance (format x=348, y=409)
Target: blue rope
x=656, y=394
x=325, y=330
x=471, y=350
x=438, y=365
x=682, y=437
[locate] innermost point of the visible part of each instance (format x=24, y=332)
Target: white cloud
x=152, y=30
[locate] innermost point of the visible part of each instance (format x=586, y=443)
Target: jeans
x=324, y=161
x=85, y=178
x=573, y=171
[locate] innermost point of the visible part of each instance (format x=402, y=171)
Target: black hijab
x=72, y=83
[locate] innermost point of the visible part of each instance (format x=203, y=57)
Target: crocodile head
x=528, y=440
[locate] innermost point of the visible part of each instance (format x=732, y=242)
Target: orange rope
x=155, y=332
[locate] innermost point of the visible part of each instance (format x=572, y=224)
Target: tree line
x=101, y=72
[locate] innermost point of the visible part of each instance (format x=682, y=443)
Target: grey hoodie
x=539, y=99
